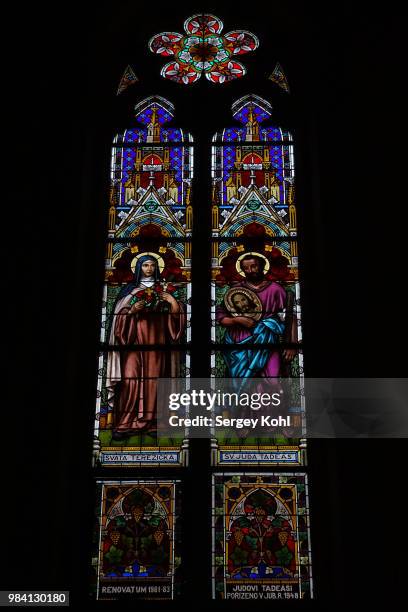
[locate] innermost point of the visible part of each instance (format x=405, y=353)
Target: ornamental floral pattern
x=203, y=50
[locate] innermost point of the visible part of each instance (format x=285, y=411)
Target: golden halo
x=155, y=256
x=238, y=262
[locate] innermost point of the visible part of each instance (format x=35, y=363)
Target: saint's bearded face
x=148, y=268
x=241, y=302
x=252, y=269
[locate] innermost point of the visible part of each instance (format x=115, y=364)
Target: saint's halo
x=254, y=253
x=155, y=257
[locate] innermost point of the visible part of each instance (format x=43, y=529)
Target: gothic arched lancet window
x=145, y=336
x=211, y=294
x=261, y=529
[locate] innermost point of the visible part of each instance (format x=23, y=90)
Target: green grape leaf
x=114, y=555
x=239, y=556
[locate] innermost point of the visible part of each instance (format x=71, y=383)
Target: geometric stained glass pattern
x=261, y=537
x=136, y=540
x=279, y=77
x=253, y=173
x=255, y=290
x=203, y=49
x=128, y=78
x=145, y=321
x=251, y=112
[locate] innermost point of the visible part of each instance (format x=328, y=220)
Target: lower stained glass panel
x=261, y=536
x=137, y=540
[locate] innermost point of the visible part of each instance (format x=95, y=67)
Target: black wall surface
x=344, y=68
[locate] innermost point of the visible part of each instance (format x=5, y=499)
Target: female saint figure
x=132, y=373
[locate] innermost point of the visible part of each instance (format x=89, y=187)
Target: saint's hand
x=245, y=321
x=288, y=355
x=167, y=297
x=138, y=306
x=174, y=305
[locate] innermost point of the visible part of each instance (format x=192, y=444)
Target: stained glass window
x=146, y=311
x=261, y=536
x=260, y=523
x=137, y=540
x=255, y=268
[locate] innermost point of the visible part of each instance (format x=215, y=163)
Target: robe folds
x=132, y=374
x=243, y=362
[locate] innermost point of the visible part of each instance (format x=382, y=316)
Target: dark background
x=345, y=71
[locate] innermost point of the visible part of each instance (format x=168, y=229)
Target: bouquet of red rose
x=152, y=295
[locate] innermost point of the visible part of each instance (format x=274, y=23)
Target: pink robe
x=132, y=375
